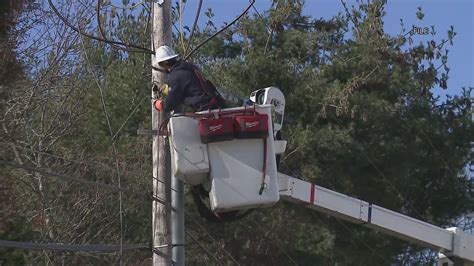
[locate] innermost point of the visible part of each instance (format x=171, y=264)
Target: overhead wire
x=275, y=241
x=384, y=178
x=261, y=18
x=61, y=176
x=80, y=162
x=101, y=29
x=181, y=34
x=221, y=30
x=196, y=18
x=362, y=241
x=227, y=253
x=270, y=31
x=388, y=182
x=128, y=118
x=127, y=48
x=202, y=247
x=70, y=247
x=104, y=36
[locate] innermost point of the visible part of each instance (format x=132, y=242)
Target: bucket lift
x=239, y=172
x=232, y=171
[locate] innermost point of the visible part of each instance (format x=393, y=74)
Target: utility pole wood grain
x=161, y=35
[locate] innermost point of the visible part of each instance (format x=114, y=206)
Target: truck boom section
x=452, y=242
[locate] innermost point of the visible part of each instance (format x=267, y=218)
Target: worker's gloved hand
x=164, y=89
x=158, y=104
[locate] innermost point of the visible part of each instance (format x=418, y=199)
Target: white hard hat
x=164, y=53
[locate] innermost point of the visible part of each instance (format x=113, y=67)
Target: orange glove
x=158, y=105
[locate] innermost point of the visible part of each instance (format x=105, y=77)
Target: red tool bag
x=253, y=126
x=215, y=129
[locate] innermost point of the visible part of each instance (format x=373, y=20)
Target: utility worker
x=185, y=85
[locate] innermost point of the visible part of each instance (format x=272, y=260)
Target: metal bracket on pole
x=147, y=132
x=153, y=198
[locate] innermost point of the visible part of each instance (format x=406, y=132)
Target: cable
x=196, y=18
x=382, y=175
x=128, y=118
x=270, y=31
x=362, y=242
x=276, y=242
x=65, y=21
x=101, y=30
x=69, y=247
x=62, y=158
x=261, y=18
x=181, y=34
x=83, y=162
x=103, y=35
x=212, y=238
x=61, y=176
x=203, y=248
x=384, y=178
x=221, y=30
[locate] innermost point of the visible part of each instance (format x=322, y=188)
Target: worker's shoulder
x=182, y=70
x=184, y=66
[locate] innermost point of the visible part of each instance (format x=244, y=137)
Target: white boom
x=451, y=242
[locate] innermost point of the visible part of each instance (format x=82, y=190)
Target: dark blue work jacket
x=189, y=87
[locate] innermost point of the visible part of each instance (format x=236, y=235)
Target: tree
x=362, y=120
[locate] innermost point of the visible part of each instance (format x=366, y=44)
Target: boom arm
x=452, y=242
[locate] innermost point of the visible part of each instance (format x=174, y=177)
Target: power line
x=212, y=238
x=384, y=178
x=181, y=33
x=84, y=162
x=362, y=241
x=128, y=46
x=382, y=175
x=276, y=242
x=70, y=247
x=203, y=248
x=61, y=176
x=270, y=31
x=262, y=19
x=138, y=194
x=81, y=162
x=196, y=18
x=103, y=35
x=128, y=118
x=221, y=30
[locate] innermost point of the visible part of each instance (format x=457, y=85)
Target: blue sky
x=438, y=13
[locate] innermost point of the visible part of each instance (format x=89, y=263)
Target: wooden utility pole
x=161, y=35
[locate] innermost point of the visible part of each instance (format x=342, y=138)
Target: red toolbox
x=216, y=129
x=251, y=126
